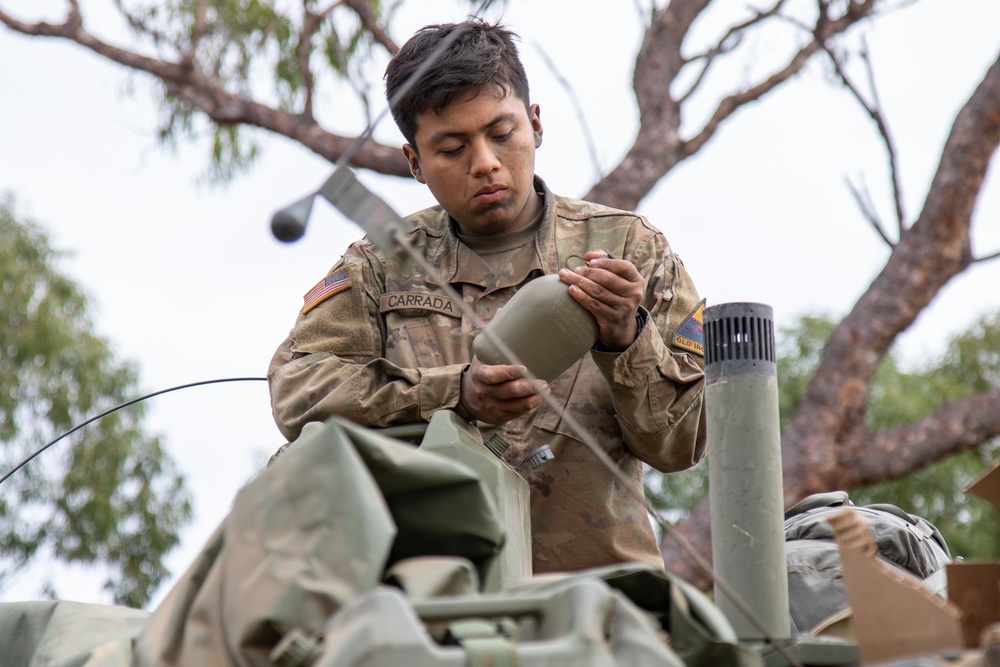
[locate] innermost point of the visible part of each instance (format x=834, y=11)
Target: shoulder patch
x=690, y=335
x=336, y=282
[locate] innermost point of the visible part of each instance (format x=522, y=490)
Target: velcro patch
x=690, y=334
x=418, y=301
x=336, y=282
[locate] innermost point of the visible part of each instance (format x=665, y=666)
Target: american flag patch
x=336, y=282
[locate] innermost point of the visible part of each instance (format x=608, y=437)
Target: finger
x=496, y=412
x=498, y=374
x=621, y=268
x=517, y=389
x=616, y=275
x=601, y=286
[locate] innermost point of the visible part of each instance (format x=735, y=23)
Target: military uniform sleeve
x=332, y=361
x=657, y=383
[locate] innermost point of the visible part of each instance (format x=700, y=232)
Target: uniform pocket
x=583, y=394
x=422, y=329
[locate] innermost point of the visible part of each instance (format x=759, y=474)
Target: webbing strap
x=485, y=644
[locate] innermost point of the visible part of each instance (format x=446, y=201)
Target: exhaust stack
x=744, y=466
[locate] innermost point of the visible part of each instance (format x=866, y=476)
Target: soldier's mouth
x=490, y=194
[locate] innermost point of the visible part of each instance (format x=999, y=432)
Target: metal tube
x=744, y=466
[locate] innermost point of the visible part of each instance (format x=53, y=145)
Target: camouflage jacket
x=378, y=342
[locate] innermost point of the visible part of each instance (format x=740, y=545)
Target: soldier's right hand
x=496, y=394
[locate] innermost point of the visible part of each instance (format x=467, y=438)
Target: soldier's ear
x=535, y=114
x=413, y=158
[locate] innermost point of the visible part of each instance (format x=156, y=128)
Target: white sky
x=187, y=281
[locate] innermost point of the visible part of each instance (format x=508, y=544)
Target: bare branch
x=825, y=28
x=875, y=113
x=577, y=108
x=864, y=202
x=658, y=63
x=658, y=146
x=709, y=58
x=727, y=43
x=987, y=258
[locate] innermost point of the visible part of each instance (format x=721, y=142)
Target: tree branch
x=863, y=200
x=577, y=108
x=875, y=113
x=825, y=29
x=140, y=26
x=724, y=45
x=893, y=453
x=197, y=32
x=987, y=258
x=657, y=65
x=303, y=51
x=222, y=106
x=658, y=146
x=368, y=20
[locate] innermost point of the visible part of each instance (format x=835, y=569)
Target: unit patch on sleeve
x=690, y=335
x=336, y=282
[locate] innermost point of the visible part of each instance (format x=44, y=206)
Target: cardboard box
x=895, y=616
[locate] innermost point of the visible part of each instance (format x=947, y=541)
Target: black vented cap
x=739, y=340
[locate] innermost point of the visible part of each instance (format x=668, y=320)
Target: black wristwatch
x=640, y=323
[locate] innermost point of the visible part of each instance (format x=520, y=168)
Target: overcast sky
x=187, y=281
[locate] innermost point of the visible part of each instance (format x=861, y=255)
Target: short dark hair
x=480, y=55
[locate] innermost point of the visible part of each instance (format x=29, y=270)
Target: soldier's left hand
x=611, y=289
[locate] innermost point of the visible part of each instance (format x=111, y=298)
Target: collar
x=464, y=266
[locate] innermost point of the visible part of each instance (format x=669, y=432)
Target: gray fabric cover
x=815, y=578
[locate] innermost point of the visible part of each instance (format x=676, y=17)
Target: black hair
x=481, y=54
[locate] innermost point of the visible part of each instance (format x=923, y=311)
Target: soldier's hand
x=496, y=394
x=611, y=289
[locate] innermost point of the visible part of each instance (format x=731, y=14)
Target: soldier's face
x=477, y=156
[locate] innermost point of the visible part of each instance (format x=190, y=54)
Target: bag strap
x=486, y=644
x=828, y=499
x=920, y=525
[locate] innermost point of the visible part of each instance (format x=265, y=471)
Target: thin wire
x=115, y=409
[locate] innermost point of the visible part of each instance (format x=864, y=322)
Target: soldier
x=378, y=341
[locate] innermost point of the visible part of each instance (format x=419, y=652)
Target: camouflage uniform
x=384, y=345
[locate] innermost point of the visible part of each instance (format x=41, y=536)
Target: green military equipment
x=453, y=438
x=411, y=546
x=62, y=633
x=581, y=622
x=744, y=467
x=542, y=327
